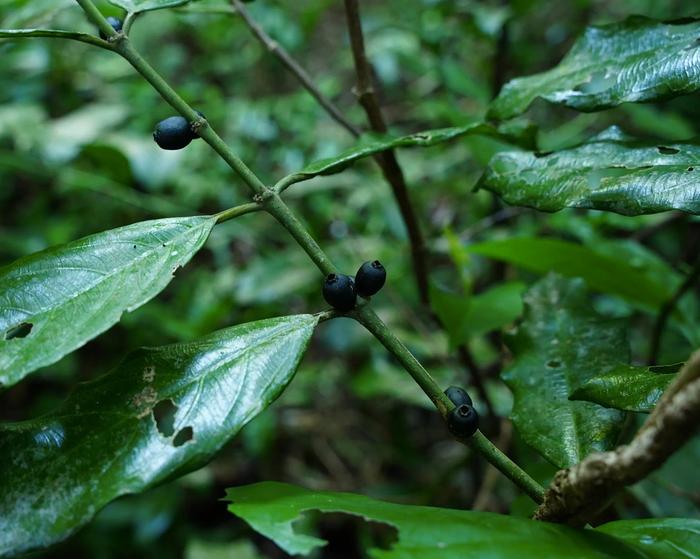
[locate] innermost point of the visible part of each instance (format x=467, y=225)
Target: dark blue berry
x=370, y=278
x=339, y=292
x=116, y=24
x=173, y=133
x=458, y=396
x=463, y=421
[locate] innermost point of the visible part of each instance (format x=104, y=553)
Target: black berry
x=458, y=396
x=463, y=421
x=173, y=133
x=339, y=292
x=116, y=24
x=370, y=278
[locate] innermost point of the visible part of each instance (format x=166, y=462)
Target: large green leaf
x=109, y=437
x=638, y=59
x=514, y=132
x=666, y=538
x=54, y=301
x=432, y=533
x=560, y=344
x=147, y=5
x=465, y=317
x=611, y=172
x=601, y=272
x=626, y=387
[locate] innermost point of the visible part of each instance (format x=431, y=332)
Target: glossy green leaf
x=627, y=388
x=639, y=59
x=69, y=294
x=147, y=5
x=514, y=132
x=108, y=438
x=611, y=172
x=602, y=272
x=465, y=317
x=660, y=538
x=560, y=345
x=272, y=509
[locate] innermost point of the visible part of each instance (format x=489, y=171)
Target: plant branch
x=367, y=317
x=387, y=161
x=237, y=211
x=578, y=493
x=667, y=309
x=295, y=68
x=55, y=34
x=273, y=204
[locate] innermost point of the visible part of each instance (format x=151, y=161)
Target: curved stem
x=667, y=309
x=237, y=211
x=295, y=68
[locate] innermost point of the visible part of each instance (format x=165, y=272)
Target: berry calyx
x=116, y=24
x=458, y=396
x=370, y=278
x=339, y=292
x=463, y=421
x=173, y=133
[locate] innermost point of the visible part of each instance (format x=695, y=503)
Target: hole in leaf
x=183, y=435
x=164, y=416
x=348, y=535
x=20, y=331
x=690, y=169
x=666, y=150
x=596, y=176
x=553, y=364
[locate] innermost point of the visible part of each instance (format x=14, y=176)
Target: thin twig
x=295, y=68
x=483, y=497
x=667, y=309
x=387, y=161
x=394, y=176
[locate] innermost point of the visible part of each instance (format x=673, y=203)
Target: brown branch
x=295, y=68
x=387, y=161
x=578, y=493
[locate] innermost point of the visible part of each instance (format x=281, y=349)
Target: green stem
x=275, y=206
x=237, y=211
x=55, y=34
x=478, y=442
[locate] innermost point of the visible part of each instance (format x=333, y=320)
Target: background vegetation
x=76, y=157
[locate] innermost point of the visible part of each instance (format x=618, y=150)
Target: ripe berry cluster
x=341, y=291
x=462, y=421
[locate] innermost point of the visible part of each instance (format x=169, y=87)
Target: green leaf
x=147, y=5
x=660, y=538
x=515, y=132
x=466, y=317
x=610, y=172
x=627, y=388
x=159, y=414
x=601, y=272
x=561, y=344
x=272, y=509
x=638, y=59
x=69, y=294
